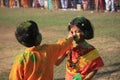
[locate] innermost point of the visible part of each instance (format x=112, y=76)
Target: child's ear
x=39, y=38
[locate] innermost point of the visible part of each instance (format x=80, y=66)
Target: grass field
x=53, y=26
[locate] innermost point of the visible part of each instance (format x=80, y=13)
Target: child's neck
x=83, y=44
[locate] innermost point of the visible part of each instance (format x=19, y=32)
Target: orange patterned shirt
x=37, y=63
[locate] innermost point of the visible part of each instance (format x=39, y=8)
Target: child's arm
x=60, y=49
x=90, y=75
x=60, y=59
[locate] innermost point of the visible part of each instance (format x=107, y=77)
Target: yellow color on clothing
x=37, y=62
x=88, y=57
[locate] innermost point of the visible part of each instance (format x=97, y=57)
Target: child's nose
x=74, y=34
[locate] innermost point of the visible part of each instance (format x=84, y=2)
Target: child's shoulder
x=19, y=58
x=91, y=46
x=24, y=56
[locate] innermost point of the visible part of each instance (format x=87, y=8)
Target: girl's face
x=76, y=33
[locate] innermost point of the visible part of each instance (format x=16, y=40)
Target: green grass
x=104, y=23
x=54, y=24
x=0, y=48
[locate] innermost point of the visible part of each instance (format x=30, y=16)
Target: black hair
x=84, y=25
x=27, y=33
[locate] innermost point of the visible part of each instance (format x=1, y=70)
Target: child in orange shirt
x=37, y=61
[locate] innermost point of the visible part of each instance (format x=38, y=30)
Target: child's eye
x=71, y=32
x=78, y=31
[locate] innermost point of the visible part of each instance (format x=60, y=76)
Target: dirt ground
x=108, y=47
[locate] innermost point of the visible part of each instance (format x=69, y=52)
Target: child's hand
x=74, y=43
x=69, y=35
x=77, y=37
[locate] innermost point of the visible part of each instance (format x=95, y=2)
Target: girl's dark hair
x=84, y=25
x=27, y=32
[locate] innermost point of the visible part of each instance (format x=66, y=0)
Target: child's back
x=36, y=62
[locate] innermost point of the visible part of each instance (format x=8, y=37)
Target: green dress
x=50, y=7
